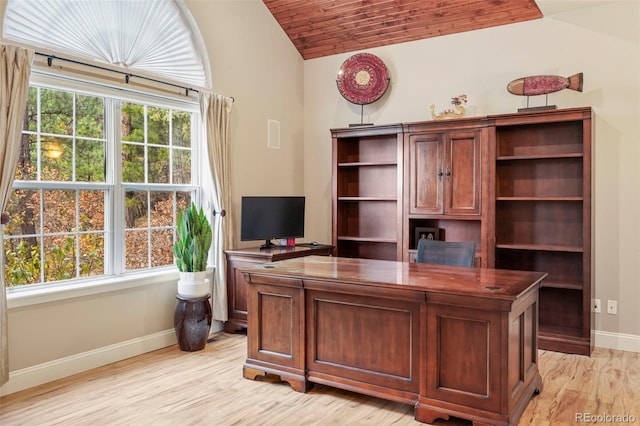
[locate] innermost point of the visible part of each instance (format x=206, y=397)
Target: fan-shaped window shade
x=156, y=37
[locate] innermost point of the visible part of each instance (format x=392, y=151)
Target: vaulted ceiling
x=326, y=27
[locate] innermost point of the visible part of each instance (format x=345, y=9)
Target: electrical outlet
x=612, y=307
x=596, y=306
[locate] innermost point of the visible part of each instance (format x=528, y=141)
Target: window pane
x=181, y=166
x=158, y=125
x=89, y=116
x=136, y=209
x=92, y=210
x=59, y=257
x=57, y=159
x=30, y=121
x=24, y=210
x=181, y=131
x=132, y=122
x=91, y=255
x=158, y=165
x=183, y=200
x=136, y=249
x=161, y=209
x=22, y=261
x=161, y=247
x=90, y=161
x=27, y=167
x=132, y=163
x=59, y=211
x=56, y=114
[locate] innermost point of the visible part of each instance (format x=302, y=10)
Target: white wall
x=600, y=39
x=253, y=61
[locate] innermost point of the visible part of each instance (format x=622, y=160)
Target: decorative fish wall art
x=544, y=84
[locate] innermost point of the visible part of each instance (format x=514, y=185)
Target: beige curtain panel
x=216, y=113
x=15, y=69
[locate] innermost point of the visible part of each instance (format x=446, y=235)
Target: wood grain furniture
x=388, y=180
x=519, y=185
x=444, y=165
x=542, y=213
x=367, y=192
x=452, y=341
x=245, y=257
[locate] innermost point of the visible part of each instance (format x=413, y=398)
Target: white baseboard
x=63, y=367
x=623, y=342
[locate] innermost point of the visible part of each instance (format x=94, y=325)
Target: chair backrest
x=446, y=252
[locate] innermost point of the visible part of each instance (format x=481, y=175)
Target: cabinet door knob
x=439, y=173
x=448, y=173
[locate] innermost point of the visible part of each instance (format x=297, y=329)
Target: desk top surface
x=279, y=250
x=485, y=282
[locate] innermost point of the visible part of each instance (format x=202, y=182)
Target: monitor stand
x=267, y=245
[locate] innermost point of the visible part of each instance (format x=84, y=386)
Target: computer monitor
x=271, y=217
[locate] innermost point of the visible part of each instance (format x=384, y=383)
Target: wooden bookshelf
x=542, y=216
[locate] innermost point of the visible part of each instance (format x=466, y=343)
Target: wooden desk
x=452, y=341
x=242, y=258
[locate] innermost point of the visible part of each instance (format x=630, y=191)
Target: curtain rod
x=127, y=75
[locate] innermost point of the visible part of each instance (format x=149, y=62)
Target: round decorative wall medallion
x=363, y=78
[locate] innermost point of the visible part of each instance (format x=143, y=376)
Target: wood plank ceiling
x=326, y=27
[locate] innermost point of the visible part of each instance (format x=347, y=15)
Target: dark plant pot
x=192, y=322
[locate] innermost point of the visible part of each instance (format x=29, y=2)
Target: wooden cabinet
x=543, y=182
x=244, y=258
x=445, y=162
x=444, y=172
x=367, y=192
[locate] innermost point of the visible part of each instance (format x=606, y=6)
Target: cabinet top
x=564, y=114
x=383, y=129
x=549, y=116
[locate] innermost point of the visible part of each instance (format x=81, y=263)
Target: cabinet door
x=426, y=173
x=462, y=183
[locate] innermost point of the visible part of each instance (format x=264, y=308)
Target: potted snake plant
x=191, y=250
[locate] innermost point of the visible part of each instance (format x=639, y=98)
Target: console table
x=451, y=341
x=242, y=258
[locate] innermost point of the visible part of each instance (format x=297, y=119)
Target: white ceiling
x=553, y=7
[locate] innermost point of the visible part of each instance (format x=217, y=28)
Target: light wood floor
x=170, y=387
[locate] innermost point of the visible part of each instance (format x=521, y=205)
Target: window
x=99, y=181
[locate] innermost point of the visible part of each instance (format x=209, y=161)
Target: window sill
x=51, y=293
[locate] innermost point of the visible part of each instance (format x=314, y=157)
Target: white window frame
x=115, y=278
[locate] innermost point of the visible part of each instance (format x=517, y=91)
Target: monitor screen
x=267, y=217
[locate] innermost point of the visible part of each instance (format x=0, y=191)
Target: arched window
x=155, y=37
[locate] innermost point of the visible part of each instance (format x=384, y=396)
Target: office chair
x=446, y=252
